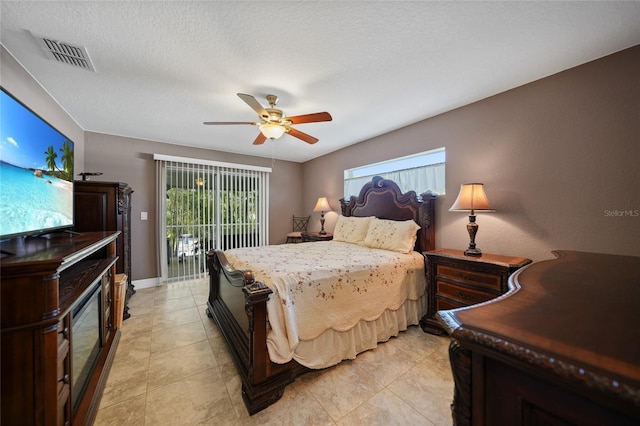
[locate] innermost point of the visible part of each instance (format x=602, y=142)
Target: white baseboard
x=146, y=283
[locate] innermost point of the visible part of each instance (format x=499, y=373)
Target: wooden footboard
x=238, y=305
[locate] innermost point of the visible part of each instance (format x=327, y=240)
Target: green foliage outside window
x=194, y=211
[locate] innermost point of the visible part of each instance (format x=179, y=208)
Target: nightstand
x=455, y=281
x=316, y=236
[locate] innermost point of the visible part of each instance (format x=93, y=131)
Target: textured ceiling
x=162, y=68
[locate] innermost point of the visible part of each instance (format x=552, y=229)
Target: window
x=418, y=172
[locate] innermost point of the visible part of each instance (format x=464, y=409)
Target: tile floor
x=172, y=368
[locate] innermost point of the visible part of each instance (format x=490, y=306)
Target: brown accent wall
x=559, y=158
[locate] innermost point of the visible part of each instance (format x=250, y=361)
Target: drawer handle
x=465, y=276
x=65, y=332
x=464, y=296
x=65, y=379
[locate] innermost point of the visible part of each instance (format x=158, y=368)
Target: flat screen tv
x=36, y=173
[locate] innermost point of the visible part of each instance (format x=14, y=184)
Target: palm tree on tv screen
x=51, y=158
x=66, y=172
x=67, y=159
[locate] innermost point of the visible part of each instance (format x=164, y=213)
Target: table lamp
x=322, y=206
x=472, y=198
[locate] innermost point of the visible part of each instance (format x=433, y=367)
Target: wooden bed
x=238, y=303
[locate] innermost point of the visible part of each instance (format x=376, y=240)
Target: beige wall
x=555, y=155
x=131, y=160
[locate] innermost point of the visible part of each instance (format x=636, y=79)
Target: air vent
x=65, y=53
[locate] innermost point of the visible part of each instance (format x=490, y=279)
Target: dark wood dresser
x=560, y=348
x=106, y=206
x=455, y=280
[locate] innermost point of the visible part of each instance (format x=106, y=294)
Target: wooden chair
x=299, y=226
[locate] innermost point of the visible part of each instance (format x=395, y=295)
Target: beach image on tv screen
x=36, y=172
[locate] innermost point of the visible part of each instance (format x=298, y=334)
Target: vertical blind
x=204, y=205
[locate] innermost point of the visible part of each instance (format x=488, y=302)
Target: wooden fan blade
x=255, y=105
x=260, y=139
x=300, y=135
x=310, y=118
x=229, y=122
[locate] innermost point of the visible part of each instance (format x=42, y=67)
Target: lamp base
x=322, y=231
x=472, y=228
x=472, y=252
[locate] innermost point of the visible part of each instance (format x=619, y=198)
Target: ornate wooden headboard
x=383, y=199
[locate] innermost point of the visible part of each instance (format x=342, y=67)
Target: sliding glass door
x=207, y=205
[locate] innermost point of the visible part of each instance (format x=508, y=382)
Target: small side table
x=455, y=281
x=316, y=236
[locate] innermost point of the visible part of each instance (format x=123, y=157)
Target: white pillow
x=351, y=229
x=392, y=235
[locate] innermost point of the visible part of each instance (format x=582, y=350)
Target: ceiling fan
x=274, y=123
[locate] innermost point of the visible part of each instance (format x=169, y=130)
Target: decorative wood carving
x=461, y=366
x=383, y=198
x=571, y=372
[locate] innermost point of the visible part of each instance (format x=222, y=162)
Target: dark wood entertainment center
x=560, y=348
x=57, y=330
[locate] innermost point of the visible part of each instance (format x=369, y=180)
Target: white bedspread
x=328, y=285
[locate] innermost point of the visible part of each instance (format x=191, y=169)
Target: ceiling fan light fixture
x=271, y=130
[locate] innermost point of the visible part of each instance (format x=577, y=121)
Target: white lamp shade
x=471, y=198
x=272, y=131
x=322, y=205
